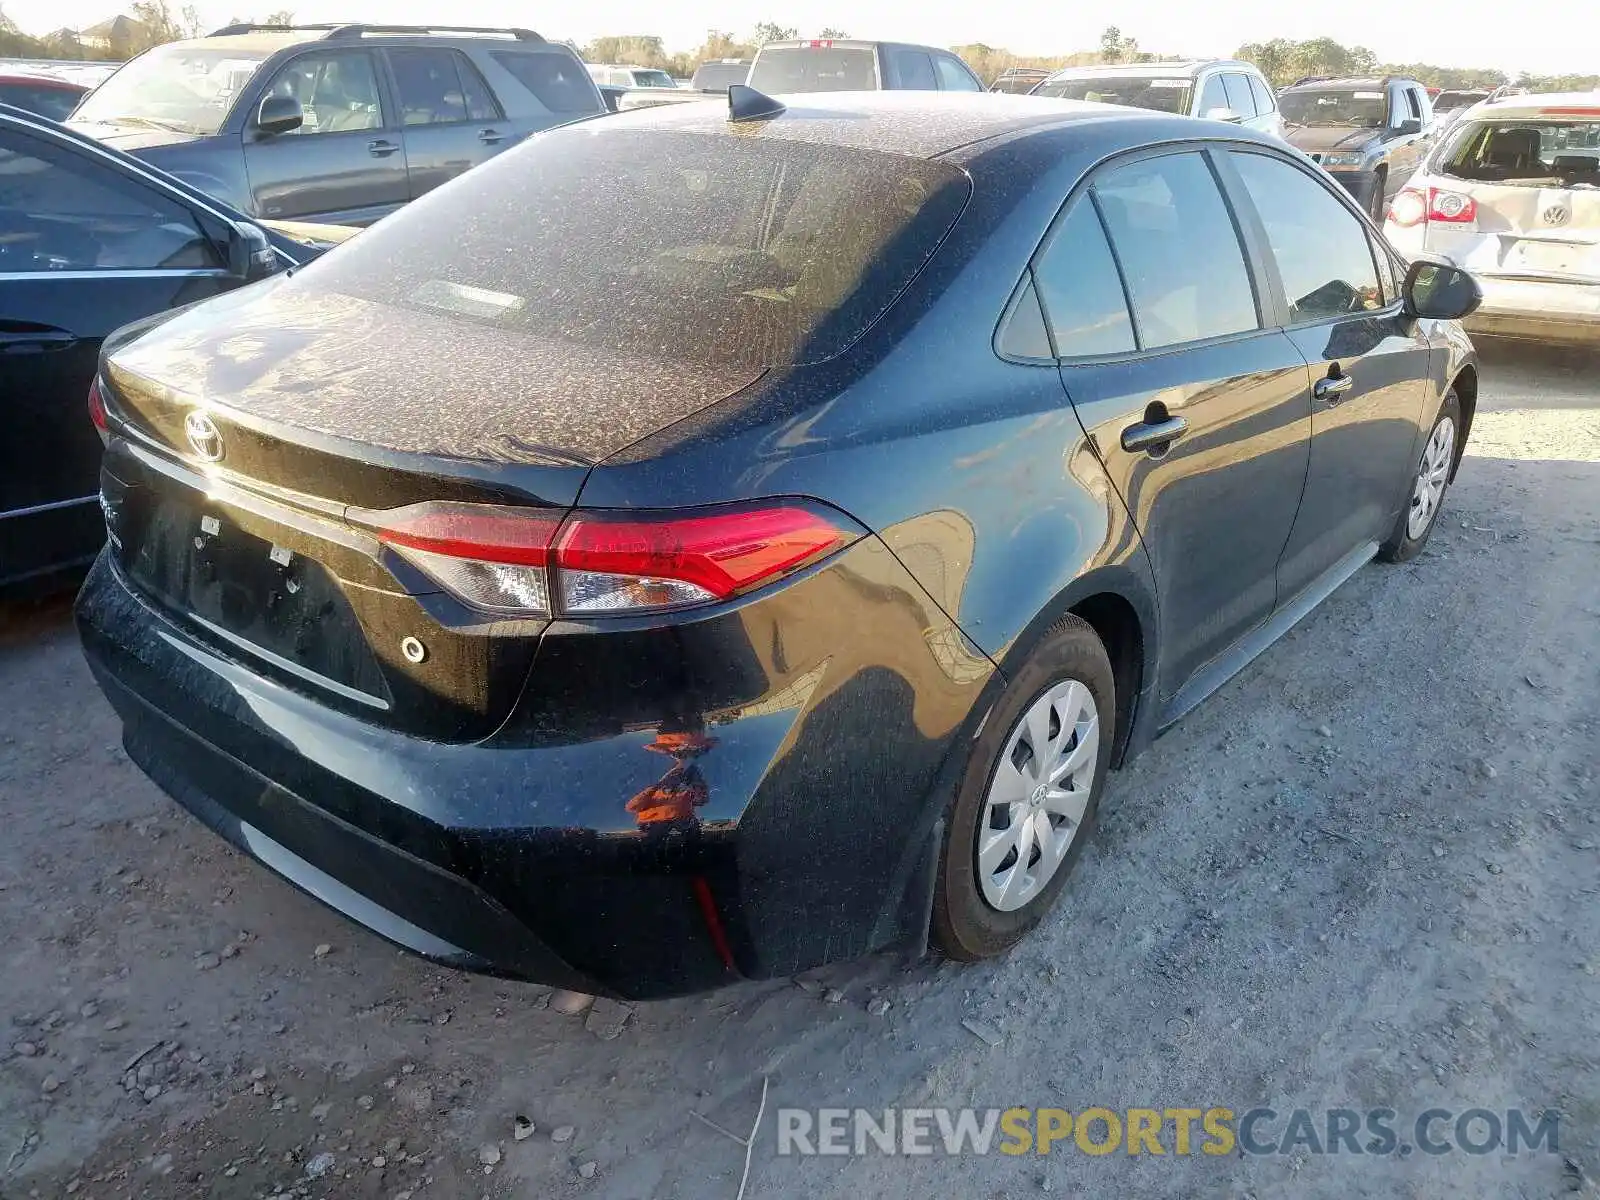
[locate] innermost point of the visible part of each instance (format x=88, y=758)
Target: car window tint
x=1213, y=95
x=914, y=70
x=1264, y=101
x=814, y=69
x=481, y=104
x=338, y=91
x=1178, y=249
x=1024, y=335
x=1321, y=247
x=1239, y=97
x=61, y=211
x=429, y=87
x=953, y=77
x=557, y=81
x=1085, y=306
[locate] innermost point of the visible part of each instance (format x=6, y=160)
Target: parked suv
x=1369, y=134
x=1220, y=90
x=340, y=124
x=835, y=65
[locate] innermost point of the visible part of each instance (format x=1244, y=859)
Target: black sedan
x=90, y=240
x=763, y=558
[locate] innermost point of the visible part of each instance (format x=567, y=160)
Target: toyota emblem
x=1556, y=214
x=205, y=439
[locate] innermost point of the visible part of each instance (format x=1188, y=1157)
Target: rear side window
x=1264, y=101
x=953, y=76
x=913, y=69
x=1084, y=304
x=1239, y=97
x=814, y=69
x=430, y=87
x=664, y=244
x=1413, y=109
x=1179, y=251
x=1321, y=248
x=557, y=81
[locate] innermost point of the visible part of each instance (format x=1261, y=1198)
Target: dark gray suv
x=336, y=123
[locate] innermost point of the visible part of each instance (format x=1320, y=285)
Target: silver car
x=1513, y=195
x=335, y=123
x=1220, y=90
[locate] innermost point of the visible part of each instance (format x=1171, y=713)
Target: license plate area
x=239, y=588
x=1554, y=258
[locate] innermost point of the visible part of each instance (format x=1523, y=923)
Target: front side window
x=184, y=87
x=61, y=211
x=1178, y=248
x=338, y=91
x=953, y=77
x=1322, y=250
x=1080, y=289
x=1164, y=93
x=1359, y=108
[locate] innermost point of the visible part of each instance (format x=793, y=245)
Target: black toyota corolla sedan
x=709, y=542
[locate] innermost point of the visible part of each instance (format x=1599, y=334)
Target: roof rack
x=340, y=31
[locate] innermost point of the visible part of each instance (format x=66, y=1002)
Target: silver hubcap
x=1432, y=476
x=1037, y=796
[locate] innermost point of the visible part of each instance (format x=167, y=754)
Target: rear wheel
x=1027, y=801
x=1428, y=486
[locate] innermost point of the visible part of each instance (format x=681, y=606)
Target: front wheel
x=1377, y=205
x=1428, y=486
x=1028, y=797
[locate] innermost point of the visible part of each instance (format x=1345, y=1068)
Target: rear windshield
x=649, y=79
x=179, y=87
x=41, y=98
x=715, y=77
x=1360, y=108
x=1530, y=153
x=814, y=69
x=1448, y=100
x=1163, y=94
x=665, y=244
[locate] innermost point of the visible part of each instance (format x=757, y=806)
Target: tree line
x=1281, y=60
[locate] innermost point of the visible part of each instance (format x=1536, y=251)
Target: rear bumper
x=1567, y=313
x=531, y=854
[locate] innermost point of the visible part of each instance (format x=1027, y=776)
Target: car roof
x=261, y=41
x=915, y=123
x=847, y=43
x=1539, y=106
x=1189, y=67
x=1349, y=81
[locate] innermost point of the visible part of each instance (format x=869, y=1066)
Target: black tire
x=1402, y=545
x=1378, y=204
x=965, y=925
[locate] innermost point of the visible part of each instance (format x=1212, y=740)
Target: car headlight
x=1341, y=160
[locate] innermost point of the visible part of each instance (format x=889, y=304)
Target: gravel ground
x=1364, y=874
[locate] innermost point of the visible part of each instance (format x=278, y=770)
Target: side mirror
x=1224, y=114
x=1409, y=125
x=1440, y=290
x=280, y=114
x=250, y=254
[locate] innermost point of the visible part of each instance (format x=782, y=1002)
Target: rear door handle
x=1153, y=436
x=1332, y=388
x=381, y=148
x=490, y=136
x=39, y=341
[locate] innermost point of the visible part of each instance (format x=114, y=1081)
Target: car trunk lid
x=1525, y=232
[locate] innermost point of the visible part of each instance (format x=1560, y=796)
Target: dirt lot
x=1366, y=874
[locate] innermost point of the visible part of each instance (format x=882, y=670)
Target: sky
x=1468, y=33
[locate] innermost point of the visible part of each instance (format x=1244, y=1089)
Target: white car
x=1220, y=90
x=1512, y=194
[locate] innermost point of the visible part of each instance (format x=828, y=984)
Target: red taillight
x=821, y=43
x=1413, y=206
x=97, y=410
x=517, y=559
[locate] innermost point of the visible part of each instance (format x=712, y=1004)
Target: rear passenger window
x=1024, y=335
x=914, y=70
x=557, y=81
x=1264, y=101
x=430, y=88
x=1179, y=252
x=1239, y=97
x=1084, y=304
x=481, y=104
x=1321, y=247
